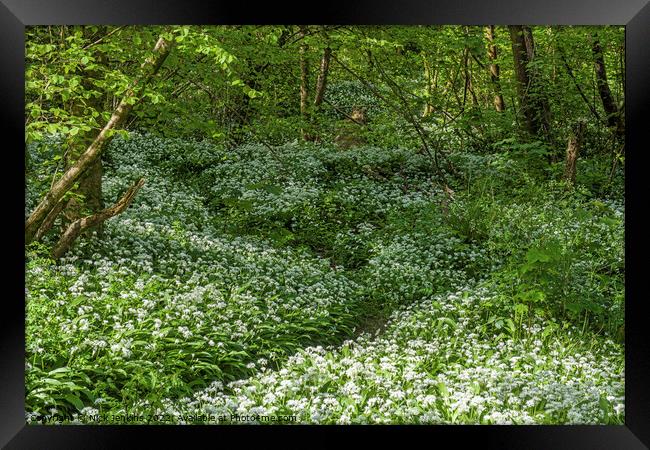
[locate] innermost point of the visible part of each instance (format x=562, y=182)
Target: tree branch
x=78, y=226
x=103, y=37
x=575, y=82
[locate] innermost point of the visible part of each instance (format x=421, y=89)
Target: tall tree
x=499, y=103
x=431, y=81
x=467, y=71
x=321, y=82
x=304, y=80
x=614, y=115
x=532, y=101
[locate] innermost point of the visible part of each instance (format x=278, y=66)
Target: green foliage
x=174, y=298
x=258, y=272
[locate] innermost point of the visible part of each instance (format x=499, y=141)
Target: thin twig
x=102, y=38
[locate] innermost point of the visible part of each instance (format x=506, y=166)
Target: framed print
x=360, y=218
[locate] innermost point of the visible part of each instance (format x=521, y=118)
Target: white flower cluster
x=186, y=297
x=434, y=364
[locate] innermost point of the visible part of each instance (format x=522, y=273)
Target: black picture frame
x=634, y=14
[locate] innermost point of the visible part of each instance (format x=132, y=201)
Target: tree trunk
x=90, y=183
x=541, y=105
x=48, y=222
x=533, y=104
x=614, y=117
x=321, y=82
x=470, y=87
x=80, y=225
x=572, y=152
x=499, y=103
x=520, y=57
x=321, y=86
x=430, y=80
x=92, y=153
x=466, y=75
x=304, y=82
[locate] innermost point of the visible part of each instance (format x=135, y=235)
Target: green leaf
x=533, y=296
x=254, y=186
x=534, y=255
x=443, y=390
x=605, y=406
x=245, y=204
x=76, y=401
x=275, y=190
x=520, y=309
x=575, y=307
x=448, y=321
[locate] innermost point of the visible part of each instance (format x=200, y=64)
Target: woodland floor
x=333, y=286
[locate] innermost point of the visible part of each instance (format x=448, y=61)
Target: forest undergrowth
x=336, y=286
